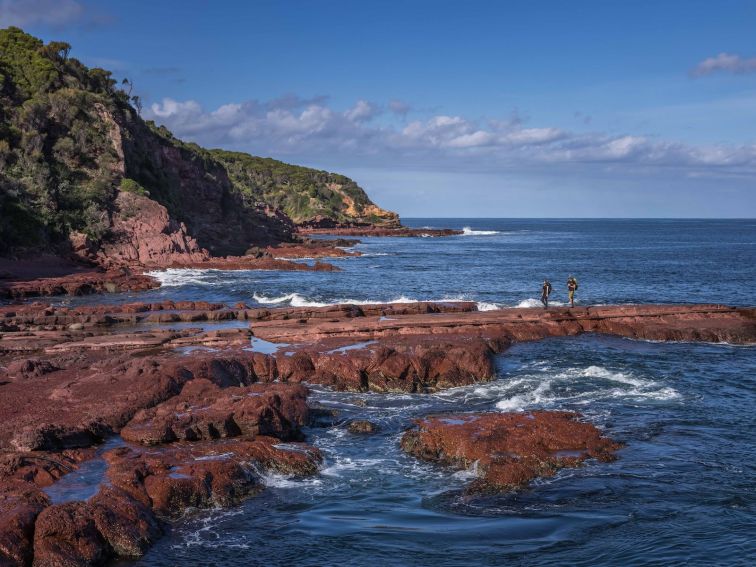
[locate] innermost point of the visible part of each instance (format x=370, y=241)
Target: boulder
x=508, y=449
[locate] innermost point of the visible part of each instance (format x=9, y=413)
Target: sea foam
x=467, y=231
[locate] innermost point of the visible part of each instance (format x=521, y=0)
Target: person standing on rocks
x=572, y=286
x=545, y=292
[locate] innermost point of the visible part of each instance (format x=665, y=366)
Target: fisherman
x=572, y=286
x=545, y=292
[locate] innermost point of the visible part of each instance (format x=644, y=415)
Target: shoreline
x=191, y=389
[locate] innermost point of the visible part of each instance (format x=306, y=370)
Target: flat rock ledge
x=508, y=450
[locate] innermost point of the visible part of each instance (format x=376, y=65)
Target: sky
x=448, y=108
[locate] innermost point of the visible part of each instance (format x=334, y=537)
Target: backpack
x=576, y=284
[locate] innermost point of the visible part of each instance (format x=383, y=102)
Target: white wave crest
x=546, y=388
x=173, y=277
x=467, y=231
x=532, y=302
x=293, y=299
x=520, y=401
x=297, y=300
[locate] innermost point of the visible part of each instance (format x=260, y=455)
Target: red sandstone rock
x=65, y=535
x=314, y=249
x=81, y=404
x=217, y=473
x=143, y=234
x=510, y=449
x=128, y=526
x=20, y=504
x=380, y=231
x=83, y=283
x=415, y=364
x=714, y=323
x=204, y=411
x=40, y=468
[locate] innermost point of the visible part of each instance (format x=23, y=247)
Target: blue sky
x=442, y=108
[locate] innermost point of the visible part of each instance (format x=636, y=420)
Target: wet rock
x=80, y=405
x=205, y=411
x=508, y=449
x=715, y=323
x=128, y=526
x=379, y=231
x=80, y=283
x=313, y=249
x=20, y=504
x=176, y=477
x=362, y=427
x=66, y=535
x=27, y=368
x=40, y=468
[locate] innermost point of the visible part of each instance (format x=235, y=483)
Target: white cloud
x=725, y=62
x=362, y=111
x=311, y=127
x=399, y=107
x=46, y=12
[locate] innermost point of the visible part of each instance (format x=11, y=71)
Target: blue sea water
x=682, y=492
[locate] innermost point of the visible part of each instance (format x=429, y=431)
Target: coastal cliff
x=81, y=172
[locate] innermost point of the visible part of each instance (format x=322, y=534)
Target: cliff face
x=72, y=144
x=308, y=196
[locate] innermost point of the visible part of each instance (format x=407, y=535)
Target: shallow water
x=683, y=490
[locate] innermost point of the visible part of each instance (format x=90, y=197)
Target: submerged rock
x=508, y=449
x=363, y=426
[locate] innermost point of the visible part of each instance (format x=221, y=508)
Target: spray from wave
x=467, y=231
x=532, y=302
x=297, y=300
x=575, y=385
x=173, y=277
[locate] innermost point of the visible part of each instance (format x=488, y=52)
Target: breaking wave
x=575, y=385
x=173, y=277
x=297, y=300
x=531, y=302
x=467, y=231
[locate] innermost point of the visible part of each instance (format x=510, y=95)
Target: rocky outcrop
x=20, y=504
x=172, y=478
x=508, y=450
x=362, y=427
x=144, y=234
x=203, y=410
x=418, y=364
x=80, y=283
x=709, y=323
x=313, y=249
x=376, y=230
x=147, y=487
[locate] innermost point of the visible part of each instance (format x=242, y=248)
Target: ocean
x=683, y=490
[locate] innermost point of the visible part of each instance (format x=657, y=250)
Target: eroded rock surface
x=205, y=411
x=204, y=474
x=508, y=449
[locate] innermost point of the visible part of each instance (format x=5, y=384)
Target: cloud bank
x=369, y=132
x=725, y=62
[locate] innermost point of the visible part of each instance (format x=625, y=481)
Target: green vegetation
x=58, y=163
x=301, y=192
x=131, y=186
x=71, y=138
